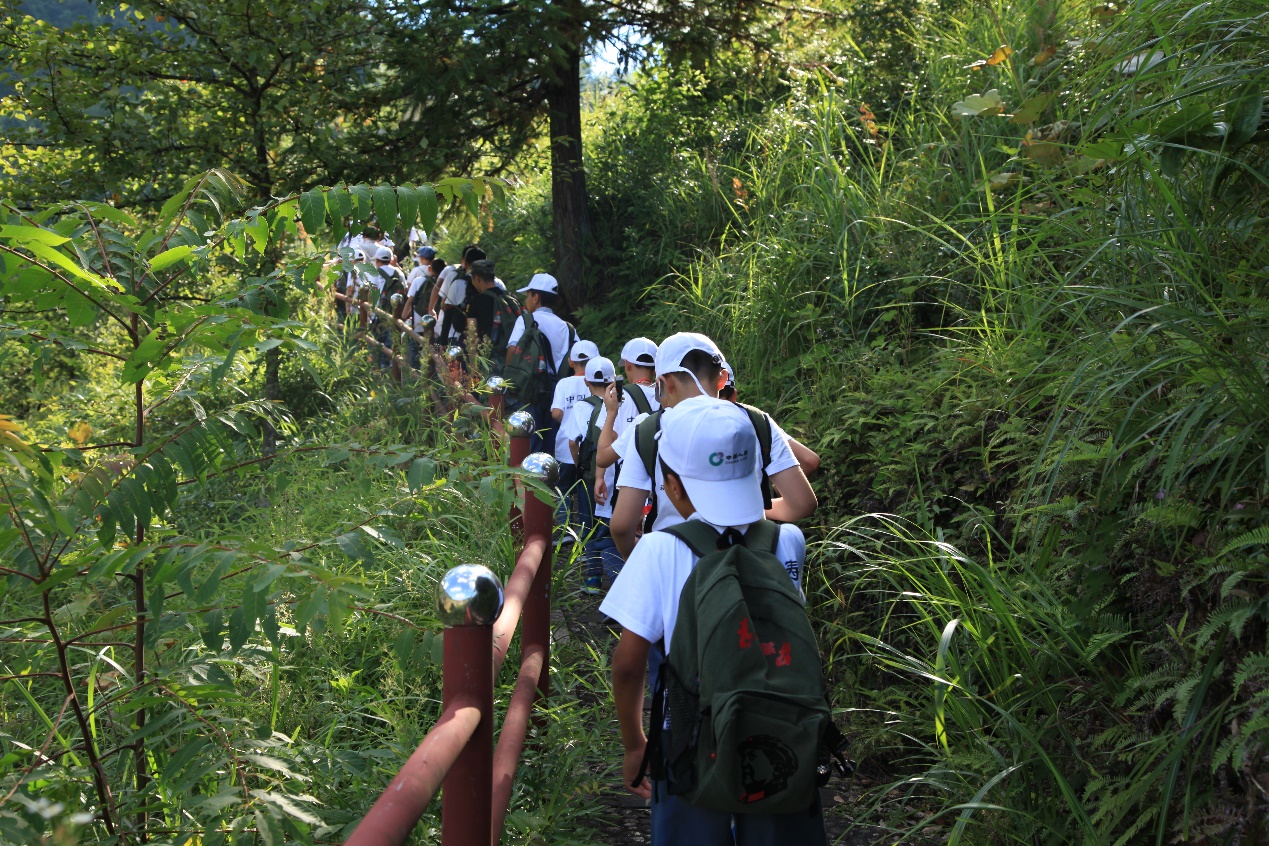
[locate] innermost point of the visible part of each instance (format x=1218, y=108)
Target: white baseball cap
x=599, y=371
x=583, y=351
x=714, y=449
x=383, y=254
x=542, y=282
x=641, y=351
x=673, y=349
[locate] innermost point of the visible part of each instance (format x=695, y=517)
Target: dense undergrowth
x=202, y=641
x=1019, y=308
x=1004, y=267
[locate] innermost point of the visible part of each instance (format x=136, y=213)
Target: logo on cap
x=716, y=459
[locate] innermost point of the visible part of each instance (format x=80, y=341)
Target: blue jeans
x=675, y=822
x=602, y=557
x=383, y=335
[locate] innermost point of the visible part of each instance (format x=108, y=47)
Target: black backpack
x=646, y=447
x=748, y=710
x=588, y=449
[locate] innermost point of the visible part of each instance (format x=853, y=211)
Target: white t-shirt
x=499, y=284
x=442, y=286
x=415, y=282
x=555, y=330
x=635, y=475
x=568, y=392
x=645, y=596
x=576, y=423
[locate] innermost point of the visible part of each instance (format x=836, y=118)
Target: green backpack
x=531, y=371
x=646, y=447
x=589, y=447
x=746, y=702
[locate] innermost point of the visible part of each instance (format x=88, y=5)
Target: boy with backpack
x=494, y=311
x=390, y=281
x=536, y=350
x=628, y=402
x=689, y=371
x=568, y=392
x=581, y=428
x=739, y=707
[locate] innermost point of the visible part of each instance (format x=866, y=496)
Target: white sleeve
x=791, y=550
x=633, y=599
x=781, y=455
x=633, y=473
x=624, y=445
x=517, y=332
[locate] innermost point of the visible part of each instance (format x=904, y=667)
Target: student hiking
x=574, y=508
x=536, y=351
x=454, y=296
x=629, y=402
x=418, y=285
x=582, y=427
x=739, y=712
x=689, y=370
x=390, y=281
x=493, y=311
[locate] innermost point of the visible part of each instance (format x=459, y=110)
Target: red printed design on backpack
x=785, y=658
x=747, y=638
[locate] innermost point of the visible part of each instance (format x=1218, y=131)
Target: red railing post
x=519, y=427
x=466, y=798
x=538, y=517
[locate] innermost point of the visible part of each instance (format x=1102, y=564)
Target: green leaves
x=313, y=211
x=1243, y=114
x=385, y=206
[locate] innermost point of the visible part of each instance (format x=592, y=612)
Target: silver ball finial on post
x=397, y=301
x=496, y=384
x=469, y=595
x=544, y=466
x=521, y=424
x=454, y=353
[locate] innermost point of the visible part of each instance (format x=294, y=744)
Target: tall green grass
x=1042, y=342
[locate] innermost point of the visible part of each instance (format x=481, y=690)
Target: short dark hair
x=546, y=298
x=484, y=268
x=666, y=470
x=438, y=265
x=705, y=366
x=473, y=253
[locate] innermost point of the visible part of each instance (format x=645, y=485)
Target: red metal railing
x=458, y=753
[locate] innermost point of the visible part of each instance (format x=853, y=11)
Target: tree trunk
x=570, y=217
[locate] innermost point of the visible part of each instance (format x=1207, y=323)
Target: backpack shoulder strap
x=646, y=443
x=639, y=398
x=700, y=537
x=597, y=405
x=763, y=536
x=762, y=426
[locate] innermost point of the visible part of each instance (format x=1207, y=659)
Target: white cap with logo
x=641, y=351
x=713, y=449
x=583, y=351
x=599, y=371
x=383, y=254
x=674, y=348
x=542, y=282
